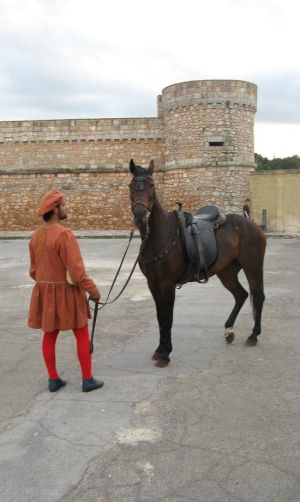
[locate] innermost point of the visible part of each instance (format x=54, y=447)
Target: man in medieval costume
x=58, y=301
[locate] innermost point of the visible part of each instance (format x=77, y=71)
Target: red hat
x=49, y=201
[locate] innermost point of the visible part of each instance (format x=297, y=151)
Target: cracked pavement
x=220, y=424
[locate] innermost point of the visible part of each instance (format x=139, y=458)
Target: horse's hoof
x=161, y=363
x=160, y=355
x=229, y=339
x=251, y=342
x=229, y=336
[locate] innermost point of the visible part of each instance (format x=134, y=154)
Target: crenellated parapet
x=81, y=130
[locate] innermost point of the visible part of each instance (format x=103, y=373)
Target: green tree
x=263, y=163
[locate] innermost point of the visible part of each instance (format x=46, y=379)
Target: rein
x=101, y=305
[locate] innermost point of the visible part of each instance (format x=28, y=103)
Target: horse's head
x=142, y=192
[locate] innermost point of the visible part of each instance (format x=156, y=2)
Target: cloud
x=74, y=59
x=277, y=140
x=279, y=98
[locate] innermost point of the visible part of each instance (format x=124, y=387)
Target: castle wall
x=100, y=200
x=94, y=200
x=201, y=142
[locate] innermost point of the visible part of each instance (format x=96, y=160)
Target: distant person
x=58, y=301
x=247, y=210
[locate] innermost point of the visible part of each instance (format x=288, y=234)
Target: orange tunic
x=55, y=304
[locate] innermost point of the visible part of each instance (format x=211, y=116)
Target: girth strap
x=201, y=265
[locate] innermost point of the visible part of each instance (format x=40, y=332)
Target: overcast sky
x=111, y=58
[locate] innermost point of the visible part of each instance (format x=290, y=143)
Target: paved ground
x=220, y=424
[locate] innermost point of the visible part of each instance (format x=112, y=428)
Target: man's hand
x=95, y=296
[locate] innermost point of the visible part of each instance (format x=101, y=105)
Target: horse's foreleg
x=164, y=301
x=229, y=279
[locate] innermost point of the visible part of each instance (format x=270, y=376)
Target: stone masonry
x=201, y=142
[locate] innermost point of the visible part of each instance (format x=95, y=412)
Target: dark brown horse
x=163, y=260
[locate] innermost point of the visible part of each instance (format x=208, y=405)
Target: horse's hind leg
x=229, y=279
x=256, y=285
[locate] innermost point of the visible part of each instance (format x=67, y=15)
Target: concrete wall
x=279, y=193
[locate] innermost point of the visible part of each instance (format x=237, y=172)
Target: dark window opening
x=216, y=143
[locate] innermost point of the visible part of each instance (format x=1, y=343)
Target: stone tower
x=209, y=124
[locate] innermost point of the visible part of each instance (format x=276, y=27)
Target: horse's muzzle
x=140, y=218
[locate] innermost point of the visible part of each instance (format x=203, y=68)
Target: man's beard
x=62, y=216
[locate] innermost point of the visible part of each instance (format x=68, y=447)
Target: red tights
x=83, y=351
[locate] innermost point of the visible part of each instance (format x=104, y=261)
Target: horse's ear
x=151, y=167
x=131, y=166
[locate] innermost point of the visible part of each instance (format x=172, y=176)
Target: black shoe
x=55, y=384
x=89, y=384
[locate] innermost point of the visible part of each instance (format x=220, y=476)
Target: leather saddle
x=197, y=233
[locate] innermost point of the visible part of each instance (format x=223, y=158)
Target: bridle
x=138, y=184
